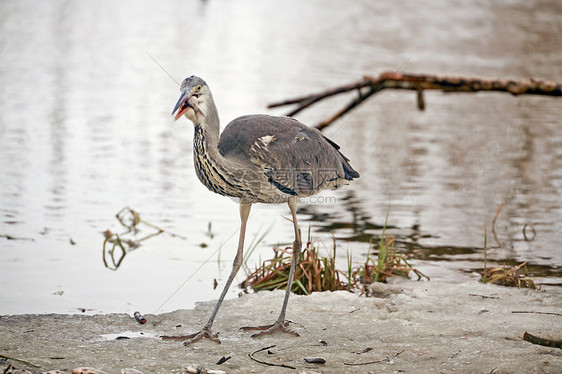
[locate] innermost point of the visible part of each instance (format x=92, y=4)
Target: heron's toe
x=205, y=333
x=269, y=329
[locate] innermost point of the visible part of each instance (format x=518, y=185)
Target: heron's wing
x=296, y=159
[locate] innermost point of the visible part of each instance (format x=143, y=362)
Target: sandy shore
x=415, y=327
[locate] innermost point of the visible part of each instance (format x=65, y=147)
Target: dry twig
x=20, y=360
x=251, y=355
x=370, y=85
x=387, y=359
x=483, y=296
x=494, y=225
x=535, y=312
x=542, y=341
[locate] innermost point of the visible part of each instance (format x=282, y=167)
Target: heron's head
x=194, y=99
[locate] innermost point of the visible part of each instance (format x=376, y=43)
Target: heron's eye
x=198, y=88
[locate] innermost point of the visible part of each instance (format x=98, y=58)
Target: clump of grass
x=317, y=273
x=515, y=276
x=388, y=264
x=314, y=273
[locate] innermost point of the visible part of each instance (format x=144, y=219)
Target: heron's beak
x=182, y=105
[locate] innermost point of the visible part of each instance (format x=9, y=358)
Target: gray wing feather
x=296, y=159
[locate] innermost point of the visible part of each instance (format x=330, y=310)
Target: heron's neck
x=207, y=133
x=206, y=143
x=211, y=167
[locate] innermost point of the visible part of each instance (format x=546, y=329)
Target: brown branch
x=467, y=84
x=348, y=107
x=542, y=341
x=419, y=83
x=308, y=100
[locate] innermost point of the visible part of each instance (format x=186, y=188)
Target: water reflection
x=85, y=129
x=408, y=240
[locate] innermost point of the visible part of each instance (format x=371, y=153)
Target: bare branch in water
x=370, y=85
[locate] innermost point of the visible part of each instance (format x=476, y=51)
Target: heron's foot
x=269, y=329
x=192, y=338
x=204, y=333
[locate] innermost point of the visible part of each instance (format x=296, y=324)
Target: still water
x=85, y=130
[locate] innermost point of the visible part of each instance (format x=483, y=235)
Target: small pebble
x=196, y=369
x=216, y=372
x=315, y=360
x=130, y=371
x=87, y=370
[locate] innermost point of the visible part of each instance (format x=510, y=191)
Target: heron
x=258, y=159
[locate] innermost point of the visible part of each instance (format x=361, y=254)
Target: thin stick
x=354, y=103
x=533, y=312
x=308, y=100
x=162, y=67
x=365, y=363
x=527, y=239
x=268, y=363
x=20, y=360
x=483, y=296
x=494, y=225
x=496, y=217
x=386, y=359
x=10, y=237
x=485, y=275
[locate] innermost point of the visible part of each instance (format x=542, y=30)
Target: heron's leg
x=280, y=324
x=206, y=330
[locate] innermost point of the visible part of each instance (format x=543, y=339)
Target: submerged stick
x=494, y=225
x=129, y=219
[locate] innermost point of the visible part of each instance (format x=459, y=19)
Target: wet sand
x=429, y=327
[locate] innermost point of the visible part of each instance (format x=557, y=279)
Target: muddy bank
x=430, y=327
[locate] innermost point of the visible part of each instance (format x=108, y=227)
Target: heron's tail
x=350, y=173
